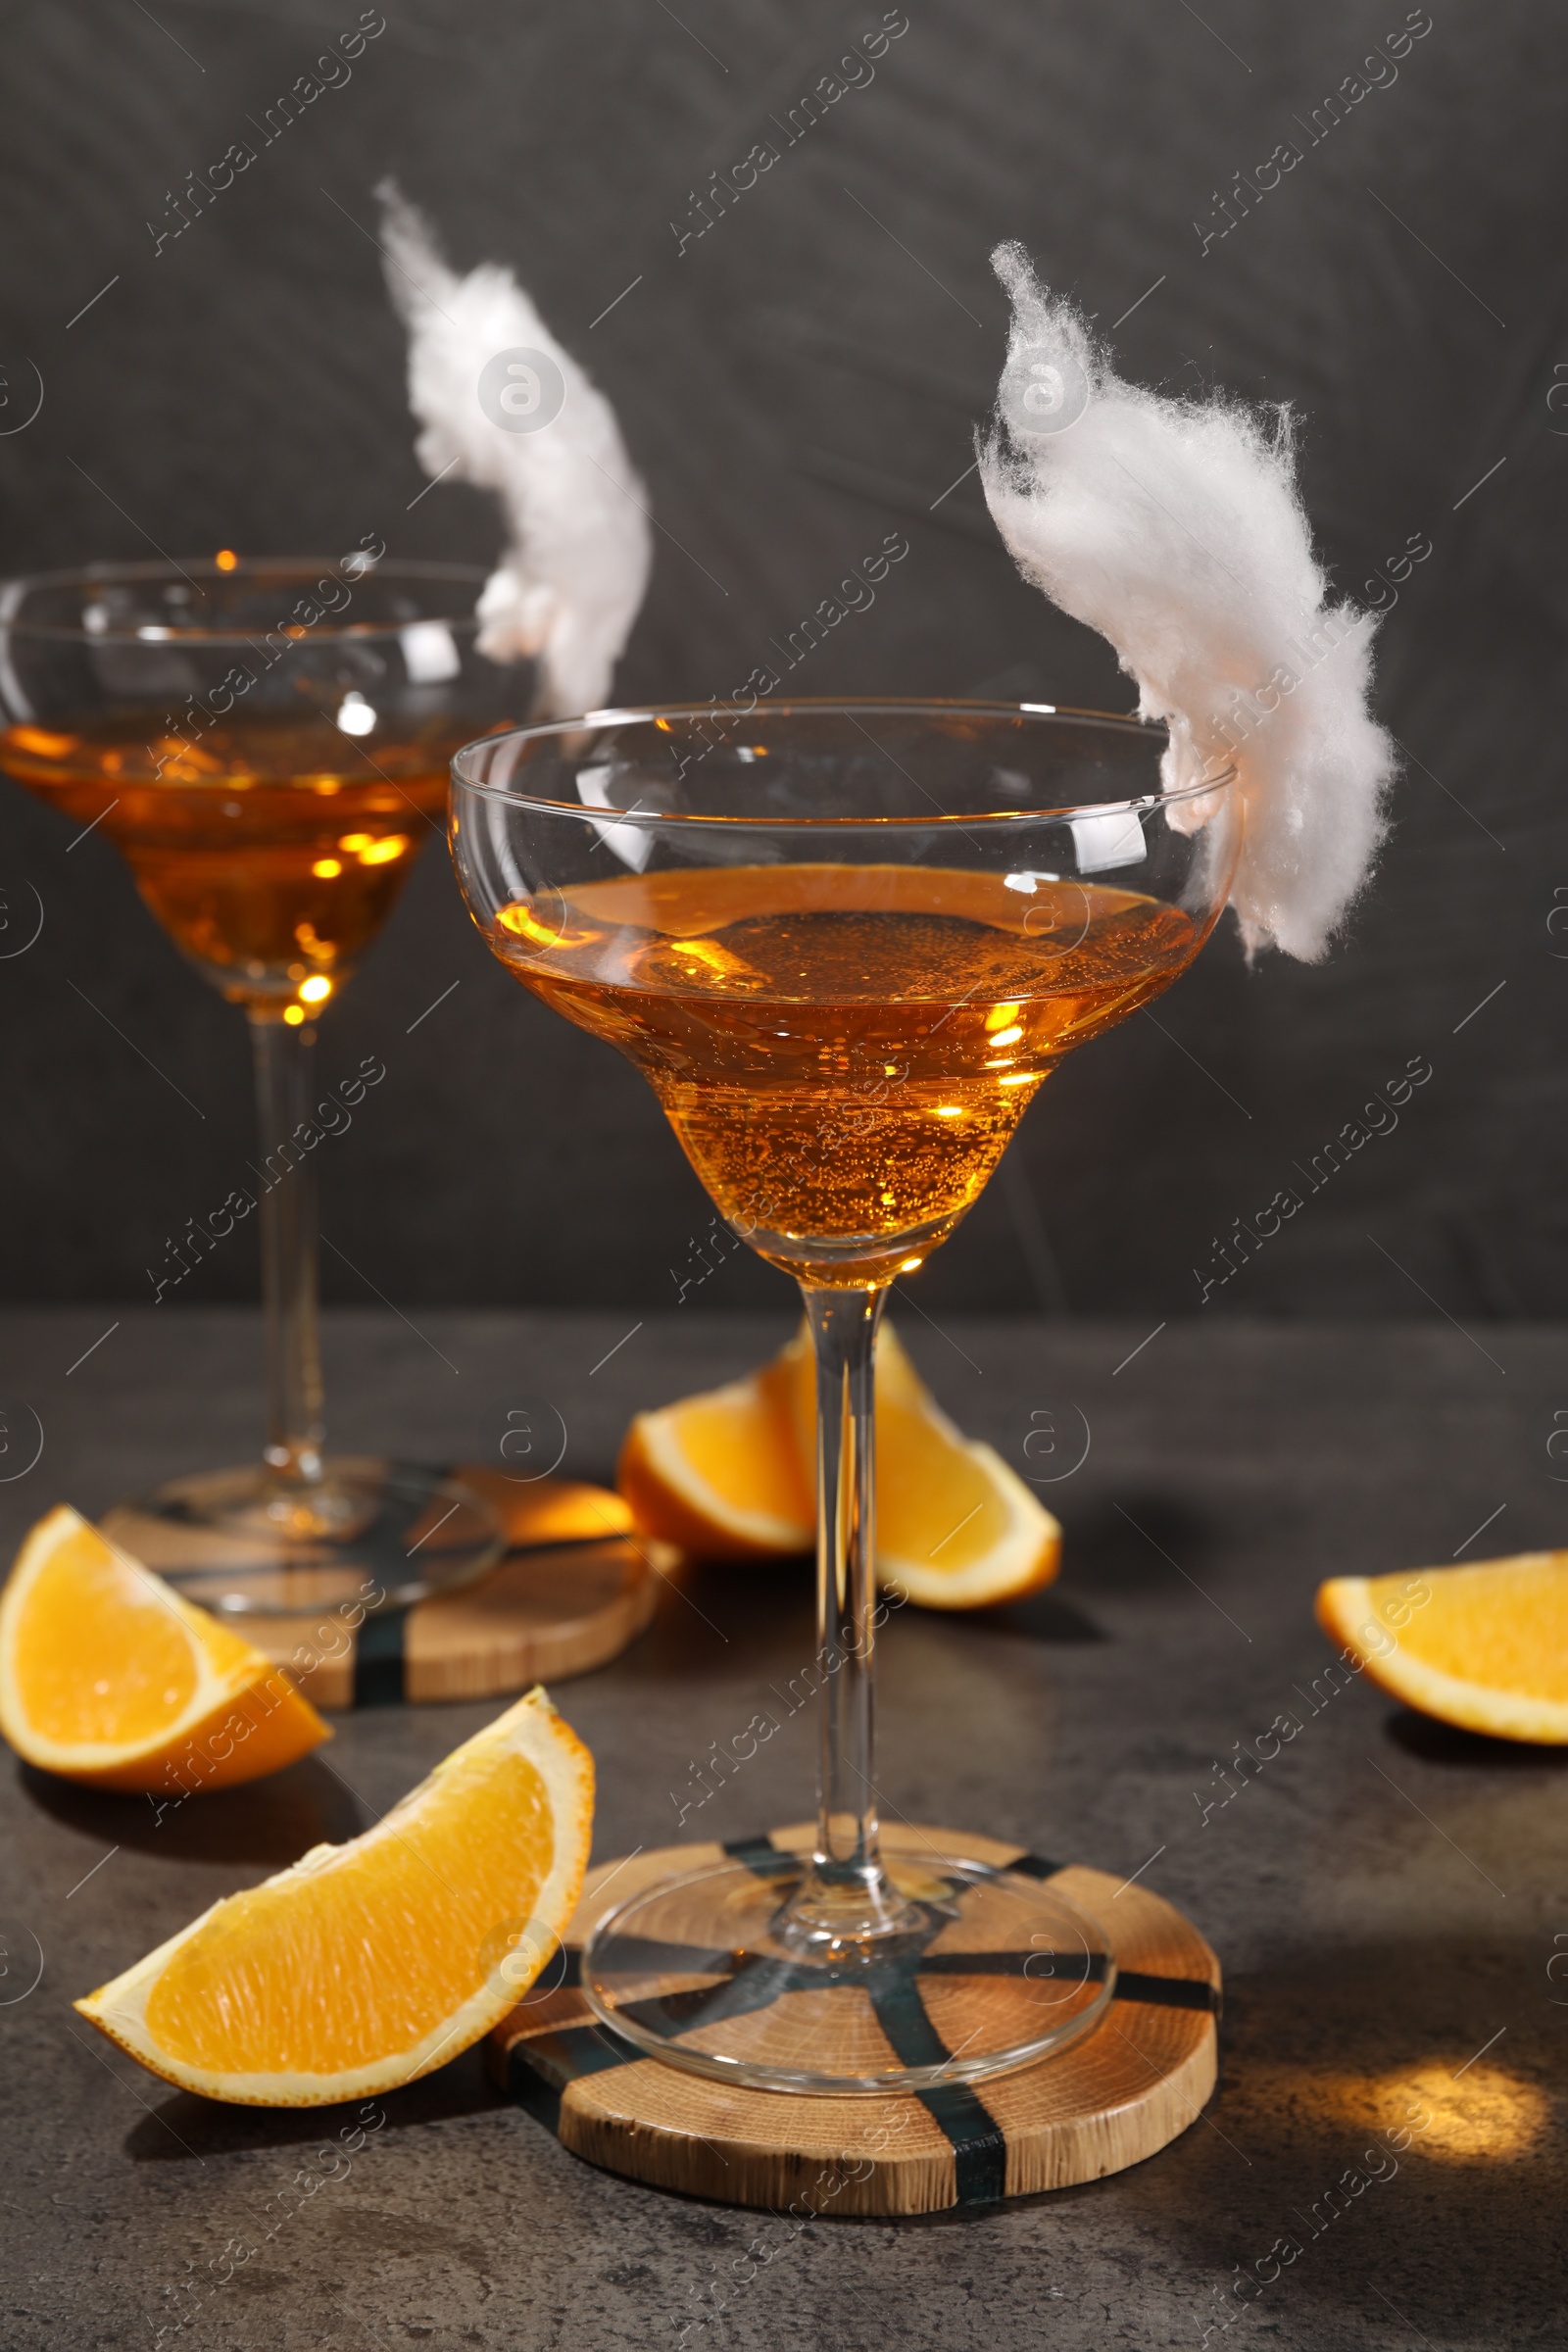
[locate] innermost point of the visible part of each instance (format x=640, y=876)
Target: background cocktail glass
x=846, y=943
x=267, y=743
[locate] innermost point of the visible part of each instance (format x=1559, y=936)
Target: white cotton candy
x=579, y=546
x=1175, y=528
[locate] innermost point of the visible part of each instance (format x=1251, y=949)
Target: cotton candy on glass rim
x=579, y=550
x=1175, y=527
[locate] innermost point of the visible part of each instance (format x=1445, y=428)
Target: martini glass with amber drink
x=266, y=745
x=846, y=944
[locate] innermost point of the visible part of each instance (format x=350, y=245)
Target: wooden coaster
x=575, y=1587
x=1105, y=2102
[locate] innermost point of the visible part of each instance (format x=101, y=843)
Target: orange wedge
x=1485, y=1646
x=369, y=1963
x=731, y=1474
x=956, y=1528
x=719, y=1473
x=106, y=1675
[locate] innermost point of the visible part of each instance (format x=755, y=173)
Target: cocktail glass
x=267, y=743
x=846, y=943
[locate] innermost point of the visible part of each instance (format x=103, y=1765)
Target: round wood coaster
x=575, y=1587
x=1109, y=2101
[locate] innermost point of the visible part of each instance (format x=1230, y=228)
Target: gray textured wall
x=792, y=385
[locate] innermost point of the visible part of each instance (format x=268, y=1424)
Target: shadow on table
x=183, y=2126
x=1047, y=1616
x=273, y=1820
x=1445, y=1743
x=714, y=1614
x=716, y=1611
x=1132, y=1545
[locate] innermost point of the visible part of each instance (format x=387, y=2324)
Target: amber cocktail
x=272, y=849
x=266, y=743
x=785, y=1015
x=846, y=943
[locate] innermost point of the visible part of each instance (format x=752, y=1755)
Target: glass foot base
x=982, y=1971
x=374, y=1536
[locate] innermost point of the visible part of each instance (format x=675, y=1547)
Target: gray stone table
x=1387, y=1896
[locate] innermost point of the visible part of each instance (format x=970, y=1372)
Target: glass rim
x=820, y=705
x=113, y=572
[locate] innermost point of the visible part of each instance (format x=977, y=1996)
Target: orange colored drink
x=843, y=1050
x=271, y=851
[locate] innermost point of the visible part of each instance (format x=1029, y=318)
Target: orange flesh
x=738, y=1447
x=928, y=1484
x=1504, y=1627
x=100, y=1657
x=935, y=1504
x=364, y=1978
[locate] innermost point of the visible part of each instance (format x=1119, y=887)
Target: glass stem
x=846, y=1891
x=290, y=1277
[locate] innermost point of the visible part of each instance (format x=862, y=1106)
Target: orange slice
x=731, y=1474
x=956, y=1528
x=1484, y=1646
x=106, y=1675
x=719, y=1474
x=369, y=1963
